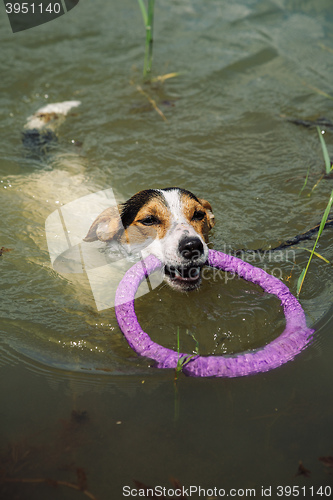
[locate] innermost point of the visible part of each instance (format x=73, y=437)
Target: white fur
x=59, y=108
x=173, y=200
x=166, y=249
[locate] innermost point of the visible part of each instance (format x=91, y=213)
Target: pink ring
x=295, y=337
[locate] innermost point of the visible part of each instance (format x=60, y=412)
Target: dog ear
x=106, y=226
x=209, y=210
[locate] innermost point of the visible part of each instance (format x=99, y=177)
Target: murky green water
x=245, y=68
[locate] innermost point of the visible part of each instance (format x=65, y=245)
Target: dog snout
x=191, y=248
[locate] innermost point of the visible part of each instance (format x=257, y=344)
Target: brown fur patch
x=47, y=117
x=207, y=206
x=106, y=226
x=190, y=206
x=156, y=208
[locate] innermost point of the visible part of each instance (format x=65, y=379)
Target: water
x=245, y=69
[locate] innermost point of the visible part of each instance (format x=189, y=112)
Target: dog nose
x=190, y=248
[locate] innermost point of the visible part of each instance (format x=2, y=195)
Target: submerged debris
x=302, y=471
x=4, y=250
x=293, y=241
x=327, y=461
x=318, y=122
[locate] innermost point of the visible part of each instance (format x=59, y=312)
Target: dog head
x=172, y=221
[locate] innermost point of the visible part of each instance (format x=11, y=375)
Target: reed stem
x=148, y=19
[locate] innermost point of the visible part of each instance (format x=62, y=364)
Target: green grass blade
x=325, y=152
x=184, y=360
x=305, y=182
x=300, y=282
x=195, y=340
x=149, y=39
x=179, y=365
x=318, y=91
x=178, y=339
x=148, y=19
x=151, y=6
x=316, y=254
x=325, y=216
x=321, y=228
x=316, y=185
x=143, y=12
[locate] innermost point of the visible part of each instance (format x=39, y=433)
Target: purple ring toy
x=295, y=337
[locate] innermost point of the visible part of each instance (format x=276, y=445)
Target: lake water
x=75, y=399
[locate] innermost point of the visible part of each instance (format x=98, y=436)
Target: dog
x=172, y=221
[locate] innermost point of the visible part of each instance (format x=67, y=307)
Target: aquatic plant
x=181, y=362
x=321, y=228
x=186, y=358
x=148, y=19
x=328, y=170
x=305, y=182
x=328, y=167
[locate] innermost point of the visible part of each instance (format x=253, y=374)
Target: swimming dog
x=172, y=221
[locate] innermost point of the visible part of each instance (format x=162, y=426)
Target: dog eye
x=150, y=220
x=198, y=215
